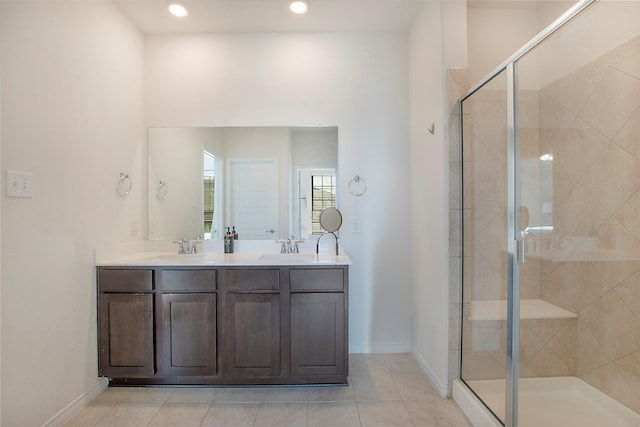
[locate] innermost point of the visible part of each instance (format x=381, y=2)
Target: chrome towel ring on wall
x=123, y=188
x=357, y=186
x=161, y=192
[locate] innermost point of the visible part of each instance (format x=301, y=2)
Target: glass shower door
x=485, y=237
x=579, y=128
x=551, y=170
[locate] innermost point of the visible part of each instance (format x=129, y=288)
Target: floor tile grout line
x=105, y=414
x=393, y=372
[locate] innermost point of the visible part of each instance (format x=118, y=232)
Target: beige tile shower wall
x=485, y=195
x=590, y=121
x=485, y=187
x=484, y=229
x=547, y=347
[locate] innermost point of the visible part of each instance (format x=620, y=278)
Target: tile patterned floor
x=386, y=390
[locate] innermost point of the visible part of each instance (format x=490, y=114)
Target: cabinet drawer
x=325, y=279
x=252, y=280
x=124, y=280
x=189, y=280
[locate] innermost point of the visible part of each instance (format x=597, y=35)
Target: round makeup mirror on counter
x=330, y=221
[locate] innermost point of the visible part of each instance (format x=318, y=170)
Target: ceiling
x=207, y=16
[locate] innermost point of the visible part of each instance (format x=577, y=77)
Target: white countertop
x=159, y=254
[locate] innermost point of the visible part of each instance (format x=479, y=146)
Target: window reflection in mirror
x=316, y=191
x=323, y=187
x=211, y=196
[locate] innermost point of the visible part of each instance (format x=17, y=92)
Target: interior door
x=253, y=198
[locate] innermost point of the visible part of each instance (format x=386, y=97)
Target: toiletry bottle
x=228, y=242
x=235, y=233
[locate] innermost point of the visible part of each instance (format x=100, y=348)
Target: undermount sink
x=185, y=258
x=288, y=257
x=241, y=257
x=237, y=257
x=172, y=256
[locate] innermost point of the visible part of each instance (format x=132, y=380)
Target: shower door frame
x=516, y=245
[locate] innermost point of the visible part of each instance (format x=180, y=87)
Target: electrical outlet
x=134, y=228
x=18, y=184
x=356, y=225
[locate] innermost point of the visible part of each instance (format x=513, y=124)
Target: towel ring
x=161, y=192
x=357, y=186
x=123, y=188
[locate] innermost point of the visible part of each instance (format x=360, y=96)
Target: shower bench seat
x=529, y=309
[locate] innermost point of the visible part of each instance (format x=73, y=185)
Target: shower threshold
x=549, y=401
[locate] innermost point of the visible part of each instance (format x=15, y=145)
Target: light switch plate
x=18, y=184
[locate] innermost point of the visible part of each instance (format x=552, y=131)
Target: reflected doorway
x=252, y=199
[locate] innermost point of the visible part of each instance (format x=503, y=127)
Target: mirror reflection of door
x=316, y=191
x=252, y=198
x=212, y=196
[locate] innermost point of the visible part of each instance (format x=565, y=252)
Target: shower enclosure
x=551, y=227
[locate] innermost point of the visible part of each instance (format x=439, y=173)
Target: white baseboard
x=381, y=348
x=441, y=389
x=80, y=402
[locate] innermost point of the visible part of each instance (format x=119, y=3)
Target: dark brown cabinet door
x=189, y=334
x=318, y=335
x=126, y=335
x=252, y=335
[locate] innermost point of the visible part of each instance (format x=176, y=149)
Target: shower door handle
x=522, y=251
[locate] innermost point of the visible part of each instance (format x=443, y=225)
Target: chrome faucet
x=289, y=246
x=192, y=245
x=283, y=247
x=295, y=249
x=182, y=246
x=557, y=242
x=187, y=247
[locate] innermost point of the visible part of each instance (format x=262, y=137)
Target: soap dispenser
x=228, y=242
x=235, y=233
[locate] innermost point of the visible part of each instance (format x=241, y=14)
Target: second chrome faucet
x=187, y=247
x=290, y=245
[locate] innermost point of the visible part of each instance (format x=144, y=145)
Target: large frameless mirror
x=268, y=182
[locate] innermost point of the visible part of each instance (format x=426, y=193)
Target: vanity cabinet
x=318, y=321
x=189, y=322
x=125, y=323
x=223, y=325
x=252, y=322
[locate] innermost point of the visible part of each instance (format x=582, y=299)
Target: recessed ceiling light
x=298, y=7
x=178, y=9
